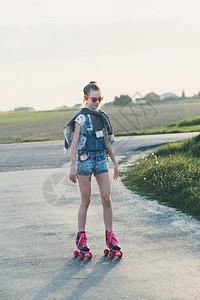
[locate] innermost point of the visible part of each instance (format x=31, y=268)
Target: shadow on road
x=99, y=272
x=75, y=270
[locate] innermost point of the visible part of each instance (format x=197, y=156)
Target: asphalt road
x=38, y=221
x=45, y=155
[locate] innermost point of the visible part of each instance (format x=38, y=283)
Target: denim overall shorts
x=92, y=158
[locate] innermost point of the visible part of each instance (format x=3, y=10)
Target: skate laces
x=82, y=240
x=112, y=239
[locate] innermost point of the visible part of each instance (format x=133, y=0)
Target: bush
x=123, y=100
x=18, y=139
x=189, y=122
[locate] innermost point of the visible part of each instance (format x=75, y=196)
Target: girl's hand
x=73, y=174
x=115, y=175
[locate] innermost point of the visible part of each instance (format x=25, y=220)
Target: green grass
x=22, y=116
x=170, y=175
x=161, y=131
x=186, y=122
x=19, y=139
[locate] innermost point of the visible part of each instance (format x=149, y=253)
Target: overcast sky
x=49, y=50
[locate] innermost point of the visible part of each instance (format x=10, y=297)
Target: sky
x=49, y=50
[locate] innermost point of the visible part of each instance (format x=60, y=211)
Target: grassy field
x=171, y=175
x=26, y=116
x=138, y=119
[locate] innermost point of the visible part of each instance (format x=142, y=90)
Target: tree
x=183, y=95
x=123, y=100
x=197, y=96
x=24, y=108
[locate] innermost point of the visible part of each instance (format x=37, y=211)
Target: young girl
x=93, y=138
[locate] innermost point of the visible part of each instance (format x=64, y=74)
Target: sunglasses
x=94, y=99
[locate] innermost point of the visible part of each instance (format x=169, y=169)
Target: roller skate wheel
x=88, y=255
x=112, y=254
x=106, y=252
x=81, y=256
x=119, y=254
x=75, y=253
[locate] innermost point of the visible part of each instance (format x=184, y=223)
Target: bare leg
x=85, y=189
x=103, y=181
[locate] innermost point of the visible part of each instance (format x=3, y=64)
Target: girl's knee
x=85, y=201
x=106, y=201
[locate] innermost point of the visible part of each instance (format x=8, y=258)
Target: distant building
x=152, y=96
x=140, y=101
x=77, y=105
x=168, y=96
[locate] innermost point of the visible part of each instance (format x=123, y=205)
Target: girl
x=93, y=138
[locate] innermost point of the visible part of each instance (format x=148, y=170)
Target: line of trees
x=24, y=108
x=126, y=100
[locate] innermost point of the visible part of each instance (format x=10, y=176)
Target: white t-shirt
x=81, y=119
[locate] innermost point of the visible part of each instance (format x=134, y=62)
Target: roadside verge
x=171, y=175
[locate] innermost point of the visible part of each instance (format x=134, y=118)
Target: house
x=140, y=101
x=152, y=96
x=168, y=96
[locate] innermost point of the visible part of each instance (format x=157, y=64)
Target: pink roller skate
x=81, y=244
x=113, y=247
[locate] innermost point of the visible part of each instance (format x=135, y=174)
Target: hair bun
x=92, y=82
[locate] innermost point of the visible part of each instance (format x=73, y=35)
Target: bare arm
x=73, y=173
x=110, y=152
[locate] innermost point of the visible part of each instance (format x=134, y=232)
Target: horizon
x=79, y=104
x=50, y=52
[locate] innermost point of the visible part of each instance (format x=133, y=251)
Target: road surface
x=38, y=223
